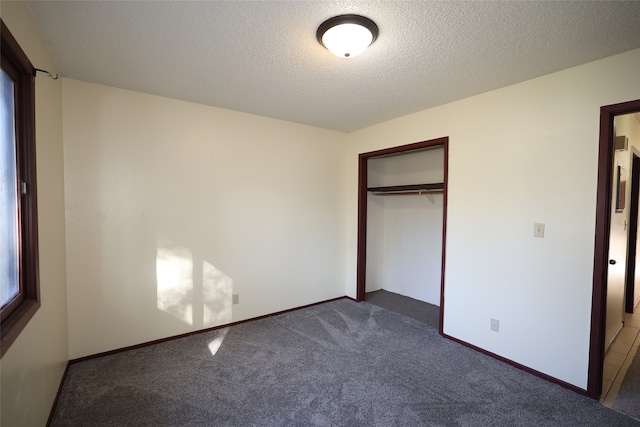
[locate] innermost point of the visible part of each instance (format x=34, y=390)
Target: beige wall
x=172, y=207
x=519, y=155
x=32, y=368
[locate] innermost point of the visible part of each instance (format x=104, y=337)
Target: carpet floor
x=339, y=363
x=419, y=310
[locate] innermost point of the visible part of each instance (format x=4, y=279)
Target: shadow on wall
x=191, y=289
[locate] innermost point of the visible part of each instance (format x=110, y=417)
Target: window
x=19, y=288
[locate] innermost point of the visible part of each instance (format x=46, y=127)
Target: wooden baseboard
x=199, y=331
x=520, y=366
x=161, y=340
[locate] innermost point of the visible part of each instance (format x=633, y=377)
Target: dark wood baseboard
x=173, y=337
x=520, y=366
x=158, y=341
x=199, y=331
x=55, y=401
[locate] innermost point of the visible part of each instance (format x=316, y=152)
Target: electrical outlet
x=495, y=325
x=236, y=298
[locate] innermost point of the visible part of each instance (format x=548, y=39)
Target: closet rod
x=410, y=193
x=432, y=188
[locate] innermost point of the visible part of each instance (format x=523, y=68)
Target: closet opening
x=402, y=204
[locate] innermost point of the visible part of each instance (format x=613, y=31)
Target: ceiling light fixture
x=347, y=36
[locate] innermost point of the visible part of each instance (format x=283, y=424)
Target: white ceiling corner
x=263, y=57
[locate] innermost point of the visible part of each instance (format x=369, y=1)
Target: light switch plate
x=538, y=230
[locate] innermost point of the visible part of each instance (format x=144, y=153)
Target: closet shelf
x=434, y=188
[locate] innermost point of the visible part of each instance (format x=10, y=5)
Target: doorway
x=605, y=188
x=363, y=190
x=631, y=294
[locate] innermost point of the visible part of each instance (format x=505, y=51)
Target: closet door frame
x=363, y=159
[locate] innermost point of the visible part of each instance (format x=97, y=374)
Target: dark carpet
x=340, y=363
x=628, y=398
x=419, y=310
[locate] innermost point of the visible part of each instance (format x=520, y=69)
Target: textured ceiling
x=262, y=57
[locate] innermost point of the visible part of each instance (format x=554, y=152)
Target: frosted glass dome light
x=347, y=36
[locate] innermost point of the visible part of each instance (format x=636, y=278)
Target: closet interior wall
x=404, y=232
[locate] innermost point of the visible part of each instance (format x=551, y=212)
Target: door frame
x=361, y=263
x=633, y=232
x=601, y=249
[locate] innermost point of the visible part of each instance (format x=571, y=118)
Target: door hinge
x=23, y=187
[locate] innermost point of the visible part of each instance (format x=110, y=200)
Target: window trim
x=16, y=63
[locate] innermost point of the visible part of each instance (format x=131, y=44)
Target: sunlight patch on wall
x=217, y=290
x=191, y=289
x=174, y=273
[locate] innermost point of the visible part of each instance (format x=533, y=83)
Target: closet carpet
x=340, y=363
x=419, y=310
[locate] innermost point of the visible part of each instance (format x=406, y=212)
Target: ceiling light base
x=347, y=36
